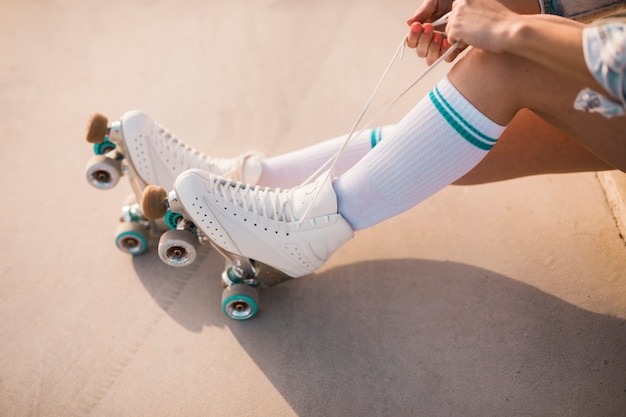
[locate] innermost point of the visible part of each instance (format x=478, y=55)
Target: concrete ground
x=506, y=299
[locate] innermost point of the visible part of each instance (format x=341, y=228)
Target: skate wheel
x=131, y=238
x=153, y=202
x=103, y=172
x=103, y=147
x=240, y=302
x=97, y=127
x=172, y=219
x=178, y=248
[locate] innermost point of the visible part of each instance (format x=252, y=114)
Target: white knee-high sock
x=291, y=169
x=438, y=142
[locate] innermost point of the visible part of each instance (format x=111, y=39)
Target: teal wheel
x=131, y=238
x=240, y=302
x=172, y=219
x=103, y=147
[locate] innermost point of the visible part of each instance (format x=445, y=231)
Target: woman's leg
x=531, y=146
x=515, y=84
x=446, y=135
x=424, y=156
x=293, y=168
x=528, y=146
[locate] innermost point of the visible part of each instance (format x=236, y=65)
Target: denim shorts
x=582, y=10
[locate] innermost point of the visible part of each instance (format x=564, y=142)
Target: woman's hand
x=552, y=41
x=484, y=24
x=427, y=41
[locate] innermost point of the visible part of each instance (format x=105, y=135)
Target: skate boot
x=267, y=235
x=147, y=153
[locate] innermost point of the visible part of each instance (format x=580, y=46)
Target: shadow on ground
x=414, y=337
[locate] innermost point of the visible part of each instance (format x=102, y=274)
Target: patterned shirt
x=604, y=48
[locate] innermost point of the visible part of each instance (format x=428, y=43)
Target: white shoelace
x=262, y=202
x=273, y=204
x=187, y=157
x=399, y=51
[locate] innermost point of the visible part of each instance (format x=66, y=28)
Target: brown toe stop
x=153, y=202
x=97, y=128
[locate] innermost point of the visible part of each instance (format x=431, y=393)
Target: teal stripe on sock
x=458, y=123
x=375, y=136
x=480, y=134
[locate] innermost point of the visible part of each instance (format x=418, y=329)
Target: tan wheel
x=153, y=202
x=97, y=128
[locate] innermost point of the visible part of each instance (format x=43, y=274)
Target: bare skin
x=523, y=84
x=533, y=63
x=531, y=146
x=430, y=46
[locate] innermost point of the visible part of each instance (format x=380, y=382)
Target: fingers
x=427, y=42
x=413, y=19
x=423, y=13
x=434, y=49
x=419, y=37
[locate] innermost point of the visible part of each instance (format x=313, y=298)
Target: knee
x=491, y=69
x=491, y=82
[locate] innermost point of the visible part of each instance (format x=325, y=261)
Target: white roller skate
x=148, y=153
x=267, y=235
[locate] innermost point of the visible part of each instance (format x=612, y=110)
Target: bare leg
x=513, y=84
x=531, y=146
